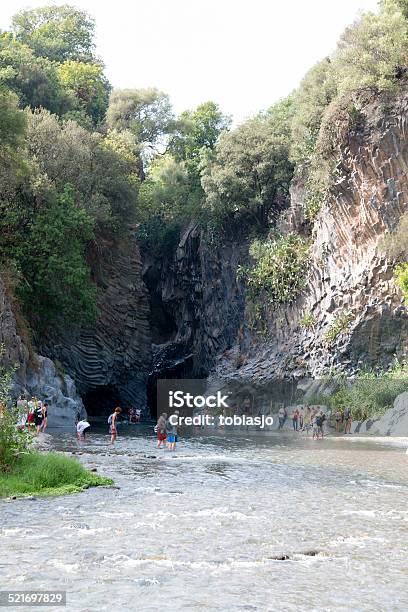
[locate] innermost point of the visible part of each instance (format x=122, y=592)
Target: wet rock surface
x=394, y=422
x=199, y=293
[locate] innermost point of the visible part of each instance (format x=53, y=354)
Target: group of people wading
x=166, y=428
x=310, y=419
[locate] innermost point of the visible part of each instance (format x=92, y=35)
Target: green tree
x=89, y=86
x=250, y=170
x=12, y=132
x=402, y=5
x=102, y=171
x=56, y=279
x=166, y=203
x=316, y=91
x=146, y=113
x=372, y=52
x=33, y=79
x=198, y=131
x=12, y=122
x=59, y=33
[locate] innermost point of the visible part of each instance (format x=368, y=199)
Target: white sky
x=243, y=54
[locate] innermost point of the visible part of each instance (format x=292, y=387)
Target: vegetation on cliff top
x=81, y=166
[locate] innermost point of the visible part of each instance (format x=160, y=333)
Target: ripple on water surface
x=222, y=524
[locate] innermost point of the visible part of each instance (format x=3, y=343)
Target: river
x=225, y=523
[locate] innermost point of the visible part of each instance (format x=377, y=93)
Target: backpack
x=110, y=420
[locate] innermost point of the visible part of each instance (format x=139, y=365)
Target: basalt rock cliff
x=184, y=315
x=350, y=286
x=197, y=304
x=36, y=375
x=110, y=361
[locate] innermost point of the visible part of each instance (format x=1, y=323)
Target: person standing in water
x=161, y=430
x=171, y=430
x=320, y=419
x=45, y=417
x=114, y=424
x=295, y=418
x=301, y=418
x=307, y=420
x=281, y=415
x=348, y=418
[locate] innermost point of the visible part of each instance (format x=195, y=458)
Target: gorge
x=172, y=221
x=185, y=316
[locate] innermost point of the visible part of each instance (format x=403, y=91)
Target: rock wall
x=201, y=302
x=393, y=423
x=113, y=357
x=36, y=375
x=350, y=282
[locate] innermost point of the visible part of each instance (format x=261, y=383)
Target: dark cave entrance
x=100, y=401
x=176, y=368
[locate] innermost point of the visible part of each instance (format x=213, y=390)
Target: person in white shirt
x=81, y=428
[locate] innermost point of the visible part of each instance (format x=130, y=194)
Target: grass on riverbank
x=46, y=474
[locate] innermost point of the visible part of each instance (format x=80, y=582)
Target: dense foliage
x=13, y=441
x=279, y=271
x=250, y=170
x=401, y=277
x=82, y=166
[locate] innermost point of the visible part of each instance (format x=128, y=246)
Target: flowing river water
x=225, y=523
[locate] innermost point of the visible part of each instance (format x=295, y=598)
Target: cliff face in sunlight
x=357, y=310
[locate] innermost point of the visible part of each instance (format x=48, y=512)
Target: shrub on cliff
x=395, y=243
x=401, y=277
x=371, y=393
x=278, y=274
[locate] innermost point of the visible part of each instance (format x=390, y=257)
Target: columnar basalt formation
x=114, y=356
x=350, y=281
x=200, y=295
